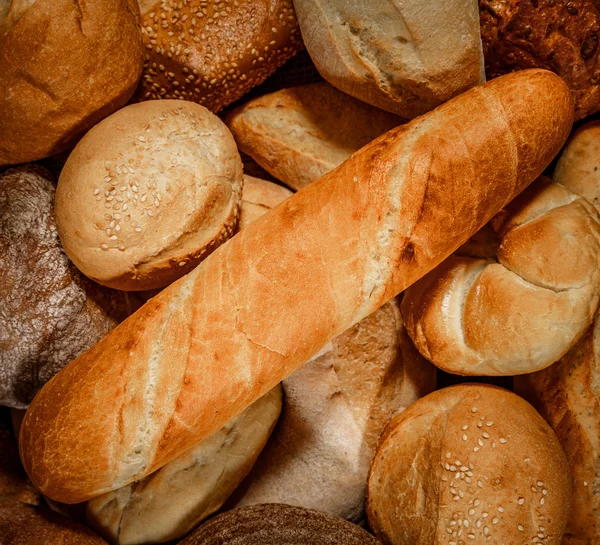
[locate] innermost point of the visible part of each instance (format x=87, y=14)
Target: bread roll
x=470, y=463
x=523, y=310
x=148, y=193
x=64, y=66
x=301, y=133
x=578, y=167
x=169, y=503
x=214, y=52
x=336, y=406
x=567, y=394
x=258, y=197
x=272, y=296
x=559, y=35
x=396, y=55
x=49, y=312
x=276, y=524
x=22, y=524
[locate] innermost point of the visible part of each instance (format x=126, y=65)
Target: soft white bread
x=172, y=501
x=273, y=295
x=471, y=464
x=148, y=193
x=578, y=167
x=522, y=311
x=301, y=133
x=64, y=66
x=258, y=197
x=336, y=406
x=214, y=52
x=567, y=394
x=396, y=55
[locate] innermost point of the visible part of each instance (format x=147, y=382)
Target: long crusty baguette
x=210, y=344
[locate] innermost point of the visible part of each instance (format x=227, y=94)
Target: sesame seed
x=500, y=509
x=479, y=484
x=533, y=489
x=182, y=263
x=485, y=515
x=104, y=246
x=545, y=492
x=141, y=138
x=489, y=424
x=480, y=442
x=521, y=501
x=540, y=483
x=520, y=527
x=96, y=191
x=502, y=440
x=485, y=435
x=464, y=437
x=495, y=520
x=465, y=427
x=542, y=501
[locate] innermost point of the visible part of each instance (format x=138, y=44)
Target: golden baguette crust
x=267, y=300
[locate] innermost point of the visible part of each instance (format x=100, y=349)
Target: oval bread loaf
x=272, y=296
x=522, y=311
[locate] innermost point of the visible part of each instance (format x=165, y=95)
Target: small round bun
x=258, y=197
x=278, y=524
x=469, y=464
x=64, y=66
x=148, y=193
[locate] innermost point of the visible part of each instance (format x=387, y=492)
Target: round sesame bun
x=469, y=464
x=148, y=193
x=64, y=66
x=214, y=52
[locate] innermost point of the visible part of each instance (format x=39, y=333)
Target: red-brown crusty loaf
x=256, y=309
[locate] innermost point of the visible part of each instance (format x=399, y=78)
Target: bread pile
x=273, y=378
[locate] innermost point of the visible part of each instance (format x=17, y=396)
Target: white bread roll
x=272, y=296
x=148, y=193
x=258, y=197
x=64, y=66
x=522, y=311
x=301, y=133
x=401, y=56
x=336, y=406
x=471, y=464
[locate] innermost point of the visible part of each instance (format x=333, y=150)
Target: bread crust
x=273, y=295
x=64, y=65
x=258, y=197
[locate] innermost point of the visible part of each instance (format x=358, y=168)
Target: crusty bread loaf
x=278, y=524
x=148, y=193
x=522, y=311
x=214, y=52
x=169, y=503
x=397, y=55
x=567, y=394
x=64, y=66
x=49, y=312
x=258, y=197
x=272, y=296
x=578, y=167
x=336, y=406
x=301, y=133
x=470, y=463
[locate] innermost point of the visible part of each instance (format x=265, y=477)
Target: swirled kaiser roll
x=469, y=464
x=522, y=311
x=272, y=296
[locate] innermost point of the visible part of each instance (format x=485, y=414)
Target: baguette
x=255, y=310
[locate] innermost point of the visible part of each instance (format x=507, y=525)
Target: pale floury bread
x=64, y=66
x=567, y=394
x=521, y=309
x=258, y=197
x=335, y=408
x=406, y=57
x=148, y=193
x=469, y=464
x=301, y=133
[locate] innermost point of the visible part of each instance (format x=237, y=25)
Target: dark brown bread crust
x=559, y=35
x=278, y=524
x=49, y=312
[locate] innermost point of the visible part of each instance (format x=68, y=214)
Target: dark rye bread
x=278, y=524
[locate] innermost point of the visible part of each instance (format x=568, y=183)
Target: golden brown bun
x=523, y=310
x=401, y=56
x=213, y=53
x=258, y=197
x=148, y=193
x=559, y=35
x=271, y=297
x=578, y=167
x=567, y=394
x=301, y=133
x=336, y=406
x=50, y=312
x=64, y=66
x=277, y=524
x=23, y=524
x=172, y=501
x=472, y=464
